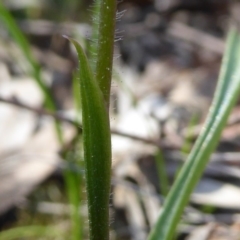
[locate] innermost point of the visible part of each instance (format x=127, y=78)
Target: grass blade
x=26, y=49
x=12, y=27
x=97, y=149
x=73, y=186
x=225, y=98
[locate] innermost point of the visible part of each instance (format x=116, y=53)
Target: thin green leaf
x=17, y=34
x=97, y=149
x=23, y=43
x=76, y=97
x=224, y=100
x=73, y=184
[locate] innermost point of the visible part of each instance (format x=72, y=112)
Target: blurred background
x=166, y=64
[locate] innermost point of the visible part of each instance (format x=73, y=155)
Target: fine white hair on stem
x=118, y=35
x=116, y=56
x=120, y=14
x=118, y=38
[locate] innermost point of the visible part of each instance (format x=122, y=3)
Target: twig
x=43, y=112
x=39, y=111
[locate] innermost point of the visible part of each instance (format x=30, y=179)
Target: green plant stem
x=105, y=46
x=93, y=47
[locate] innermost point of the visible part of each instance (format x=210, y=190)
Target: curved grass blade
x=12, y=27
x=97, y=149
x=226, y=96
x=25, y=47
